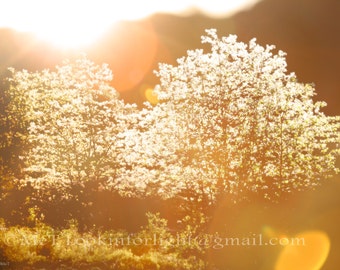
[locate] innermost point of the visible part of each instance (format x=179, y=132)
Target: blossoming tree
x=229, y=121
x=76, y=121
x=243, y=123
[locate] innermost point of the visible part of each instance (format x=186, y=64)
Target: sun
x=70, y=35
x=78, y=23
x=69, y=23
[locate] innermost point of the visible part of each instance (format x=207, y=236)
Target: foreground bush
x=153, y=247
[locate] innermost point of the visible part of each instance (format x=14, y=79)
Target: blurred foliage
x=153, y=247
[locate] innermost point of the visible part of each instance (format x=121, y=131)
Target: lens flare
x=151, y=96
x=132, y=54
x=309, y=256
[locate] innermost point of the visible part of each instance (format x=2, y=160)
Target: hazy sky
x=83, y=20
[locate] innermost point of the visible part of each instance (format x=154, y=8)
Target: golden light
x=309, y=256
x=68, y=24
x=78, y=23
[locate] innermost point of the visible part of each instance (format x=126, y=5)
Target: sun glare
x=311, y=255
x=68, y=23
x=76, y=23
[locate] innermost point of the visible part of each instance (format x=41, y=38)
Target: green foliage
x=23, y=244
x=153, y=247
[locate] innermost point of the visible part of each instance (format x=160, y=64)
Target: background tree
x=245, y=125
x=75, y=125
x=75, y=121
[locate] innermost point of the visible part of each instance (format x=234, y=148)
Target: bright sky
x=71, y=23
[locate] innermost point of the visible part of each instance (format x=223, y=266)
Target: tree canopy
x=75, y=121
x=244, y=124
x=231, y=120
